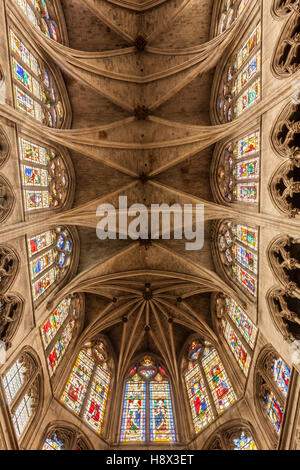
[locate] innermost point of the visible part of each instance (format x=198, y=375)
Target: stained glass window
x=218, y=381
x=53, y=444
x=35, y=89
x=230, y=10
x=209, y=390
x=87, y=389
x=239, y=170
x=49, y=258
x=238, y=247
x=241, y=320
x=282, y=375
x=240, y=87
x=58, y=330
x=39, y=16
x=198, y=398
x=147, y=399
x=240, y=352
x=44, y=176
x=244, y=443
x=21, y=387
x=273, y=409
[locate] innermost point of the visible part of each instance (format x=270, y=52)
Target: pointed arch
x=282, y=8
x=4, y=144
x=61, y=435
x=236, y=254
x=284, y=188
x=9, y=267
x=11, y=312
x=7, y=199
x=284, y=308
x=283, y=255
x=53, y=258
x=208, y=389
x=238, y=435
x=148, y=405
x=285, y=132
x=22, y=385
x=286, y=53
x=89, y=384
x=271, y=385
x=226, y=13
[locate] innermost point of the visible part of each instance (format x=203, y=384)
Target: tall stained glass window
x=35, y=90
x=41, y=13
x=274, y=379
x=44, y=176
x=209, y=389
x=58, y=330
x=49, y=258
x=230, y=10
x=241, y=84
x=238, y=248
x=239, y=170
x=147, y=405
x=21, y=384
x=87, y=389
x=238, y=330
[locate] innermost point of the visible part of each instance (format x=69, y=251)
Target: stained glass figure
x=161, y=414
x=282, y=375
x=273, y=409
x=198, y=398
x=237, y=347
x=218, y=381
x=241, y=320
x=238, y=175
x=53, y=444
x=87, y=389
x=238, y=246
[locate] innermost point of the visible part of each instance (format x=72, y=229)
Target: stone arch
x=225, y=436
x=11, y=311
x=283, y=256
x=4, y=144
x=7, y=199
x=285, y=134
x=284, y=188
x=286, y=54
x=281, y=8
x=9, y=267
x=284, y=307
x=66, y=436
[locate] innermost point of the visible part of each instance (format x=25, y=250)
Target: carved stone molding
x=224, y=437
x=286, y=56
x=282, y=8
x=9, y=266
x=67, y=435
x=4, y=145
x=11, y=309
x=285, y=135
x=7, y=199
x=284, y=307
x=284, y=260
x=284, y=189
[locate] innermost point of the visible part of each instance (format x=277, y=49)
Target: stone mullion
x=88, y=390
x=209, y=393
x=22, y=392
x=147, y=409
x=274, y=388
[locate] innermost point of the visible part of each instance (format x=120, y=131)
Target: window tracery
x=238, y=171
x=240, y=86
x=273, y=378
x=281, y=8
x=238, y=330
x=23, y=392
x=238, y=251
x=209, y=389
x=59, y=329
x=86, y=391
x=64, y=437
x=7, y=199
x=4, y=145
x=238, y=437
x=11, y=308
x=286, y=56
x=35, y=89
x=230, y=10
x=284, y=305
x=41, y=14
x=9, y=264
x=50, y=255
x=285, y=135
x=147, y=405
x=284, y=260
x=284, y=188
x=44, y=176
